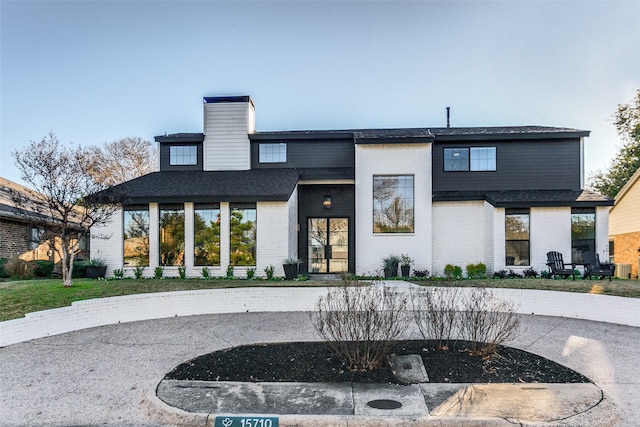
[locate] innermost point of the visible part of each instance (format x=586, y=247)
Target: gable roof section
x=525, y=199
x=632, y=181
x=205, y=186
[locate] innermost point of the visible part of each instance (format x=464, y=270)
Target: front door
x=328, y=245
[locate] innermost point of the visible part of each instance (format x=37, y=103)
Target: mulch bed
x=314, y=362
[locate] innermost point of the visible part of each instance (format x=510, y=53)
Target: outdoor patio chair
x=593, y=266
x=557, y=267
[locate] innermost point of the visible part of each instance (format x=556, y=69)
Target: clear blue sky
x=96, y=71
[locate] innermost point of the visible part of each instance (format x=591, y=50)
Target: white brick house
x=342, y=200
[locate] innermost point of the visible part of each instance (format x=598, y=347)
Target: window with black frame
x=171, y=235
x=517, y=237
x=206, y=234
x=136, y=236
x=243, y=229
x=583, y=233
x=393, y=204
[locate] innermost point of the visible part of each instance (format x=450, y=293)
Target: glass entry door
x=328, y=242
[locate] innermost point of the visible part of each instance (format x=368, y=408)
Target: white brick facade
x=392, y=159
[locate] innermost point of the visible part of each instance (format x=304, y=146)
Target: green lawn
x=20, y=297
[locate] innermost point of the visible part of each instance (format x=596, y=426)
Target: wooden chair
x=557, y=267
x=593, y=266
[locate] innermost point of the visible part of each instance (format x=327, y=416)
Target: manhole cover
x=384, y=404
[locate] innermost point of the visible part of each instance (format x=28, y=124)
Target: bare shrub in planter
x=435, y=312
x=487, y=321
x=360, y=324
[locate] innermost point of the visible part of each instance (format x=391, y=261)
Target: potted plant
x=390, y=266
x=405, y=264
x=95, y=268
x=290, y=266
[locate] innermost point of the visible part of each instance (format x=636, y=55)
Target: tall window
x=273, y=153
x=583, y=232
x=183, y=155
x=470, y=159
x=136, y=236
x=243, y=234
x=206, y=222
x=516, y=227
x=393, y=204
x=171, y=235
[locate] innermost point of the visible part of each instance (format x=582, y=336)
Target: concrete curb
x=131, y=308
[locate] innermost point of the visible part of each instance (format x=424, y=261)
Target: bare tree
x=122, y=160
x=59, y=182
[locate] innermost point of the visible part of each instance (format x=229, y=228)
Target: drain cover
x=384, y=404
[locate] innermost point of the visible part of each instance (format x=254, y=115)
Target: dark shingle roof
x=425, y=134
x=206, y=186
x=528, y=198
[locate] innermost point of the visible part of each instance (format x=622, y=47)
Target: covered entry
x=328, y=246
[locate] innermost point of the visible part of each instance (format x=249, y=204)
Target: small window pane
x=483, y=158
x=273, y=153
x=456, y=159
x=183, y=155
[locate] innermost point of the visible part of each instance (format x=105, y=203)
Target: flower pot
x=95, y=271
x=290, y=271
x=405, y=270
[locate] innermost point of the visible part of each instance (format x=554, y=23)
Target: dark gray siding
x=165, y=157
x=520, y=165
x=309, y=154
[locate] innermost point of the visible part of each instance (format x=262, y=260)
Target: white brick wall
x=273, y=236
x=93, y=313
x=107, y=243
x=458, y=234
x=392, y=159
x=550, y=230
x=602, y=231
x=226, y=141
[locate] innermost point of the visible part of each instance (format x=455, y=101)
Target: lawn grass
x=20, y=297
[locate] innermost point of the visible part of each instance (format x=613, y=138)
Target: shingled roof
x=528, y=198
x=205, y=186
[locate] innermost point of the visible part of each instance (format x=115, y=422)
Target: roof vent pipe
x=448, y=117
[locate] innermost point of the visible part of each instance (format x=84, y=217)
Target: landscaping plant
x=360, y=324
x=435, y=312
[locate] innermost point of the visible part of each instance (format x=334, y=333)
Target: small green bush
x=205, y=273
x=182, y=271
x=43, y=269
x=230, y=271
x=250, y=273
x=476, y=271
x=453, y=272
x=158, y=272
x=269, y=271
x=3, y=273
x=118, y=273
x=138, y=271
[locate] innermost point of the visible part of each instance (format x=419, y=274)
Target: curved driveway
x=108, y=375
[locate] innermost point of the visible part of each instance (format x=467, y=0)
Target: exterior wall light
x=326, y=202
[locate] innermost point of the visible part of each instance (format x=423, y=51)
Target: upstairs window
x=180, y=155
x=273, y=153
x=470, y=159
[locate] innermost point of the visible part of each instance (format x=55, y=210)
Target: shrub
x=138, y=272
x=158, y=272
x=230, y=271
x=79, y=269
x=476, y=271
x=453, y=272
x=118, y=273
x=3, y=273
x=421, y=273
x=435, y=311
x=18, y=268
x=182, y=271
x=360, y=324
x=530, y=272
x=250, y=273
x=268, y=270
x=487, y=321
x=513, y=275
x=502, y=274
x=43, y=268
x=545, y=275
x=205, y=273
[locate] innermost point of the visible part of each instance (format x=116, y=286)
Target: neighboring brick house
x=342, y=200
x=624, y=225
x=21, y=229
